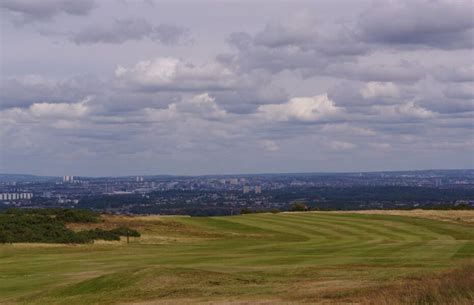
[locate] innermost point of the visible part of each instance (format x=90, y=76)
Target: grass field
x=286, y=258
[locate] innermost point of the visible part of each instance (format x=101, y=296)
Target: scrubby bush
x=78, y=216
x=299, y=206
x=246, y=211
x=124, y=231
x=49, y=226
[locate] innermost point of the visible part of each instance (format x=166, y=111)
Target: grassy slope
x=286, y=258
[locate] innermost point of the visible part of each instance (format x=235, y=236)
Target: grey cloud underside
x=123, y=30
x=439, y=24
x=44, y=10
x=394, y=83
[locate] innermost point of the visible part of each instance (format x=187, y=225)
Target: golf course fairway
x=284, y=258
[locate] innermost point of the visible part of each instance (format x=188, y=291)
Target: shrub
x=124, y=231
x=49, y=226
x=299, y=206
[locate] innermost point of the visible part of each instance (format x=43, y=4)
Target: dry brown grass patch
x=465, y=216
x=455, y=287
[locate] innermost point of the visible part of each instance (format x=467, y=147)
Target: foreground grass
x=287, y=258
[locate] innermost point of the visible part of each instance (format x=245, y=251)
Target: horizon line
x=242, y=174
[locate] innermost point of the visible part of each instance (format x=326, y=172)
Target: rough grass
x=466, y=216
x=286, y=258
x=455, y=287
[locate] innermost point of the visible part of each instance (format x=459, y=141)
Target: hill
x=285, y=258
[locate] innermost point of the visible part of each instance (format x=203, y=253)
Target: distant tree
x=299, y=206
x=246, y=211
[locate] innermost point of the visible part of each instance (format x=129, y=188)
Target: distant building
x=68, y=179
x=15, y=196
x=246, y=189
x=139, y=179
x=234, y=181
x=258, y=189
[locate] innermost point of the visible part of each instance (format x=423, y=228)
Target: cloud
x=61, y=110
x=324, y=90
x=45, y=110
x=304, y=109
x=380, y=146
x=203, y=105
x=297, y=31
x=122, y=30
x=379, y=89
x=269, y=145
x=298, y=43
x=26, y=90
x=339, y=145
x=347, y=129
x=44, y=10
x=440, y=24
x=168, y=73
x=402, y=71
x=460, y=74
x=463, y=90
x=303, y=33
x=407, y=110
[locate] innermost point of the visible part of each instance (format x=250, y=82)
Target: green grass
x=276, y=258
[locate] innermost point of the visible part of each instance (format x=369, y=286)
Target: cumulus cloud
x=23, y=91
x=62, y=110
x=38, y=119
x=378, y=89
x=203, y=105
x=338, y=86
x=304, y=109
x=28, y=11
x=122, y=30
x=196, y=107
x=168, y=73
x=407, y=110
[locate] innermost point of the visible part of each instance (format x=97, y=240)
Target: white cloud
x=203, y=105
x=47, y=111
x=60, y=110
x=346, y=129
x=306, y=109
x=340, y=145
x=379, y=89
x=408, y=110
x=168, y=73
x=161, y=115
x=269, y=145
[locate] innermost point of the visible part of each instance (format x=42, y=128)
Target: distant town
x=227, y=195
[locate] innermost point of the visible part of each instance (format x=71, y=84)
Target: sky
x=96, y=88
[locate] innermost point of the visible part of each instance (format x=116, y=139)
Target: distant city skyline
x=124, y=88
x=140, y=177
